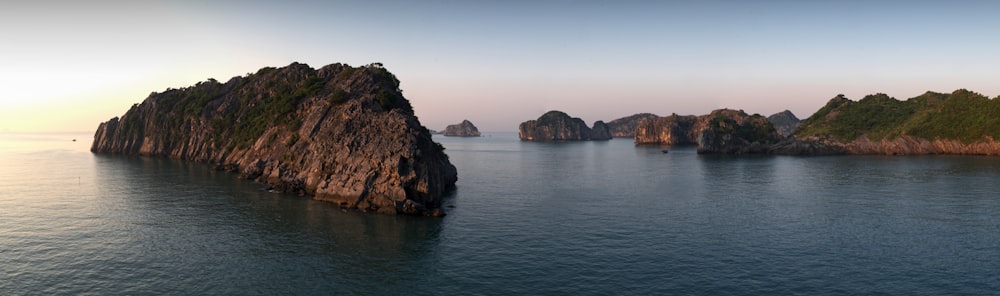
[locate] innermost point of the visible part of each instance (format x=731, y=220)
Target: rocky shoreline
x=339, y=133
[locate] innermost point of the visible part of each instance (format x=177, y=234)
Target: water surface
x=592, y=218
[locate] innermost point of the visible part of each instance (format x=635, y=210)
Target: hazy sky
x=67, y=66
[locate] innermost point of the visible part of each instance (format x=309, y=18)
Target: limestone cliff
x=670, y=130
x=463, y=129
x=554, y=126
x=962, y=122
x=722, y=131
x=341, y=134
x=625, y=127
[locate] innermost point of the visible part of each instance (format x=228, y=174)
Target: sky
x=69, y=65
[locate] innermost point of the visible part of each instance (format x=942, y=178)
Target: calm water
x=593, y=218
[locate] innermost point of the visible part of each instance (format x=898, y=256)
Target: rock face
x=341, y=134
x=600, y=131
x=625, y=127
x=463, y=129
x=962, y=122
x=554, y=126
x=785, y=122
x=722, y=131
x=671, y=130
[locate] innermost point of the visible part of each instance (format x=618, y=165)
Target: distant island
x=462, y=129
x=557, y=126
x=722, y=131
x=962, y=122
x=341, y=134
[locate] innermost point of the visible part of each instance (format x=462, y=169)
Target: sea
x=526, y=218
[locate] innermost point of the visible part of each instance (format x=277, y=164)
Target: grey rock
x=785, y=122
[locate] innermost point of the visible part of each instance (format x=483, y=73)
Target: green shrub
x=292, y=140
x=962, y=115
x=387, y=99
x=339, y=96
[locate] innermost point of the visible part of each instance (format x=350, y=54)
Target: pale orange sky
x=67, y=67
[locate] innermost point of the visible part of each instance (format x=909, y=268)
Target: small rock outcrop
x=463, y=129
x=785, y=122
x=341, y=134
x=600, y=132
x=722, y=131
x=625, y=127
x=554, y=126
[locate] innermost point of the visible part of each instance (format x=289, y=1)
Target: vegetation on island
x=755, y=129
x=962, y=115
x=265, y=99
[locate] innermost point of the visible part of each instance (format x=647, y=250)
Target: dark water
x=593, y=218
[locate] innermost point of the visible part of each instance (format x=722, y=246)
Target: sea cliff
x=625, y=127
x=341, y=134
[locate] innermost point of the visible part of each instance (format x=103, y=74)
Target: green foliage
x=255, y=120
x=339, y=96
x=387, y=99
x=346, y=73
x=292, y=140
x=962, y=115
x=762, y=133
x=272, y=137
x=238, y=113
x=295, y=123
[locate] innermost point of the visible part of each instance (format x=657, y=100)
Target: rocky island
x=555, y=126
x=722, y=131
x=463, y=129
x=341, y=134
x=962, y=122
x=625, y=127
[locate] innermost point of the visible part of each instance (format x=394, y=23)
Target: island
x=962, y=122
x=341, y=134
x=557, y=126
x=723, y=131
x=463, y=129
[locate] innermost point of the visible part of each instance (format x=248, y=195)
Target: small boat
x=665, y=151
x=74, y=140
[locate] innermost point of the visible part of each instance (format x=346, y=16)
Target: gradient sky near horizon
x=67, y=66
